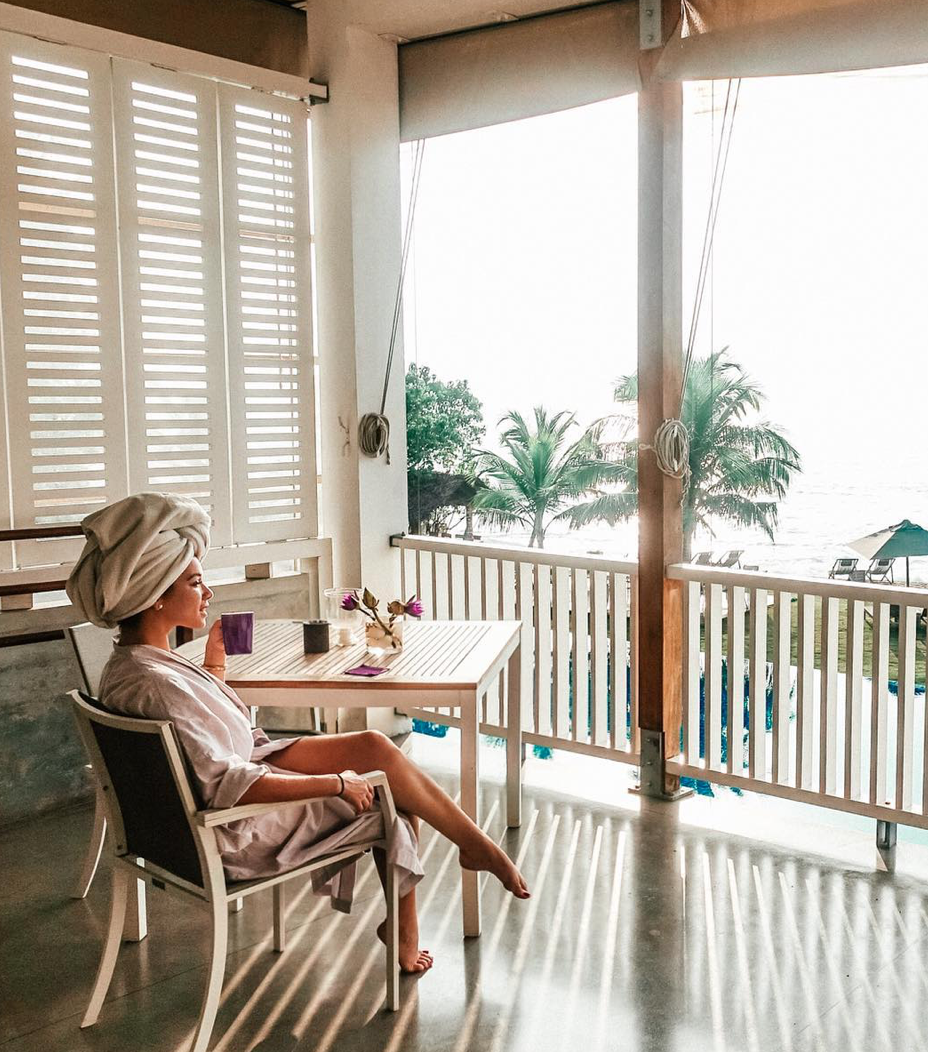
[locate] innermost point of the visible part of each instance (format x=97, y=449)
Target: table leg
x=470, y=804
x=514, y=742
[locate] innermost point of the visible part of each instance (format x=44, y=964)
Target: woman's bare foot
x=413, y=961
x=489, y=856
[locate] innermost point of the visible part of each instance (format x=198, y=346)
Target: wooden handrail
x=39, y=533
x=28, y=589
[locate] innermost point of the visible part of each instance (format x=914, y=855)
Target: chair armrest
x=220, y=816
x=382, y=789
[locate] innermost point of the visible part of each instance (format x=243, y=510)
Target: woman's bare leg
x=412, y=960
x=413, y=792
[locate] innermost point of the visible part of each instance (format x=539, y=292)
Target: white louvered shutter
x=268, y=305
x=59, y=287
x=170, y=229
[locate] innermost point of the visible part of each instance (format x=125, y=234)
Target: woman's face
x=185, y=602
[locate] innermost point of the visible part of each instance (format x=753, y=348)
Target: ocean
x=824, y=509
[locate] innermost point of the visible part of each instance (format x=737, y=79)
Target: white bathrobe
x=226, y=755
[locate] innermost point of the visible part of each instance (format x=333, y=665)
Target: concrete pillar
x=358, y=236
x=358, y=239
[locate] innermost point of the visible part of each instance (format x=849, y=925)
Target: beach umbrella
x=901, y=541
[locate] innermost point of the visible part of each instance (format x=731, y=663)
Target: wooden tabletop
x=439, y=655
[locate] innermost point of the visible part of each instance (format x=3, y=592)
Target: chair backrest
x=881, y=564
x=844, y=565
x=92, y=647
x=703, y=559
x=141, y=771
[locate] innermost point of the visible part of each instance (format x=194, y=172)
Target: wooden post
x=660, y=367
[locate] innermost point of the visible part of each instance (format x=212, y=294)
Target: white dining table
x=443, y=664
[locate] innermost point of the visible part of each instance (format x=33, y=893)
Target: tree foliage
x=444, y=422
x=739, y=467
x=541, y=472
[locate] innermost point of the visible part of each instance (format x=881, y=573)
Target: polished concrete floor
x=652, y=927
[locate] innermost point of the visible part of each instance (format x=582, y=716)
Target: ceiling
x=411, y=19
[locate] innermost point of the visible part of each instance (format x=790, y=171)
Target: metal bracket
x=886, y=834
x=651, y=777
x=649, y=24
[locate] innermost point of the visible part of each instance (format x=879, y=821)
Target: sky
x=523, y=273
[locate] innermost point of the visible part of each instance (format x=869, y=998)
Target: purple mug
x=238, y=632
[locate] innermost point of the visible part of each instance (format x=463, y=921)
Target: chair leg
x=393, y=940
x=94, y=849
x=136, y=927
x=280, y=906
x=217, y=965
x=111, y=944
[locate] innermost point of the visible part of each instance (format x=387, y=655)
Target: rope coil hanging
x=374, y=428
x=672, y=448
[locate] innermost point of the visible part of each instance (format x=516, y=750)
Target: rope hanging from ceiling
x=671, y=443
x=374, y=428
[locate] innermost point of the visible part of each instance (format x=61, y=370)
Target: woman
x=140, y=571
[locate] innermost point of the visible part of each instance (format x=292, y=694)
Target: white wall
x=356, y=177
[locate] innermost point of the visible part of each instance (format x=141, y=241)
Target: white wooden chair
x=92, y=647
x=153, y=815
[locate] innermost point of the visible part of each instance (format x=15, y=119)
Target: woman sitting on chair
x=140, y=572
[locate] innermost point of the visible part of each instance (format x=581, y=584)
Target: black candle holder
x=315, y=637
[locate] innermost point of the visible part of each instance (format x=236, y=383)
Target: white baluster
x=781, y=682
x=805, y=692
x=828, y=712
x=598, y=659
x=854, y=671
x=735, y=725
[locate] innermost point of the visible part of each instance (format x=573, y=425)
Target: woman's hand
x=358, y=791
x=215, y=648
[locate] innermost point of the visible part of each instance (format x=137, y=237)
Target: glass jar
x=345, y=624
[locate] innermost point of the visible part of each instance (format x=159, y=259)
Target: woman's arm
x=214, y=658
x=273, y=788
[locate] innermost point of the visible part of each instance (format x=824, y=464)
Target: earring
x=158, y=606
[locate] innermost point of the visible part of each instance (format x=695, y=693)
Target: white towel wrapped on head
x=135, y=550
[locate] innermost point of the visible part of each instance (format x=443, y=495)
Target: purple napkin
x=364, y=670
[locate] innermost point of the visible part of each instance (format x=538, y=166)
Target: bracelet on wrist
x=215, y=668
x=341, y=785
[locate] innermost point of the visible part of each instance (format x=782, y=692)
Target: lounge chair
x=702, y=559
x=843, y=568
x=881, y=571
x=730, y=559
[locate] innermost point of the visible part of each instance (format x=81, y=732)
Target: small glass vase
x=381, y=641
x=346, y=624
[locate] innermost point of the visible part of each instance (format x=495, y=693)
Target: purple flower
x=350, y=602
x=414, y=607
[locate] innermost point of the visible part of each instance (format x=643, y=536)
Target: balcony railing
x=810, y=725
x=579, y=635
x=806, y=722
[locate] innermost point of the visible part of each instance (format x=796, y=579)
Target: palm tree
x=733, y=461
x=540, y=472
